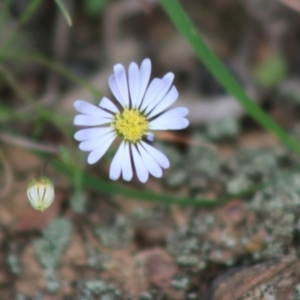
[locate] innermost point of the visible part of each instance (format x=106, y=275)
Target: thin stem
x=43, y=169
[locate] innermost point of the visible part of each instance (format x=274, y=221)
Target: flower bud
x=40, y=193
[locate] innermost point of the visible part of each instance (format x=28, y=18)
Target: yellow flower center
x=130, y=124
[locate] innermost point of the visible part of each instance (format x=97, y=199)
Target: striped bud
x=40, y=193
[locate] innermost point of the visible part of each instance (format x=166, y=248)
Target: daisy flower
x=141, y=107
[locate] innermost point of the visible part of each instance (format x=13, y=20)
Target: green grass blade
x=43, y=61
x=64, y=11
x=111, y=188
x=30, y=10
x=25, y=17
x=190, y=32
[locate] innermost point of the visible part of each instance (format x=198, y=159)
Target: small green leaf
x=271, y=71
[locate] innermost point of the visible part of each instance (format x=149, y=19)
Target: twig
x=28, y=144
x=173, y=137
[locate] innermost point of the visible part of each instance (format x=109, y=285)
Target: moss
x=238, y=184
x=279, y=205
x=56, y=237
x=117, y=234
x=180, y=282
x=225, y=128
x=270, y=214
x=146, y=296
x=97, y=289
x=13, y=260
x=97, y=260
x=296, y=296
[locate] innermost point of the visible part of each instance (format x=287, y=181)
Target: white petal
x=145, y=72
x=116, y=164
x=90, y=109
x=36, y=195
x=90, y=133
x=92, y=144
x=154, y=88
x=168, y=100
x=141, y=170
x=150, y=136
x=108, y=104
x=177, y=112
x=150, y=163
x=29, y=192
x=84, y=120
x=162, y=160
x=126, y=164
x=168, y=124
x=172, y=119
x=41, y=191
x=167, y=81
x=134, y=81
x=115, y=90
x=49, y=196
x=96, y=154
x=121, y=79
x=33, y=195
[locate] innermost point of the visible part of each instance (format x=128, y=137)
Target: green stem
x=111, y=188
